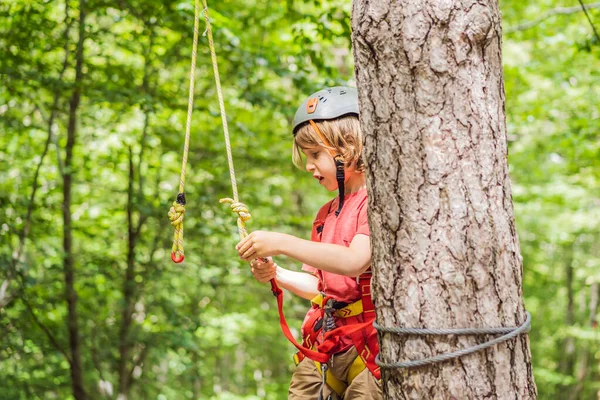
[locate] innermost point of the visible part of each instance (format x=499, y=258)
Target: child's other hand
x=259, y=244
x=263, y=271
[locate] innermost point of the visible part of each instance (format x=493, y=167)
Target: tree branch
x=45, y=329
x=556, y=11
x=589, y=20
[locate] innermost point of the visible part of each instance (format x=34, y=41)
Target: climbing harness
x=356, y=320
x=508, y=333
x=178, y=207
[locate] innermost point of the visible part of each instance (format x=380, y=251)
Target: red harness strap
x=365, y=339
x=312, y=354
x=304, y=350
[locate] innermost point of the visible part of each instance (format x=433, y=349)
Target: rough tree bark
x=445, y=248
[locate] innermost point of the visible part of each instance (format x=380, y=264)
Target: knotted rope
x=243, y=215
x=177, y=210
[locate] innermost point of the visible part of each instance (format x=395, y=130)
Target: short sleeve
x=362, y=224
x=308, y=268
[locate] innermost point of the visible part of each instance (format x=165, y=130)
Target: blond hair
x=343, y=134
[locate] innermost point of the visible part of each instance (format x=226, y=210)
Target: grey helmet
x=329, y=103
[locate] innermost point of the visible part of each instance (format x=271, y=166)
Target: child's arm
x=349, y=261
x=300, y=283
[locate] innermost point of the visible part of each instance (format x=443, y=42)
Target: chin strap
x=340, y=175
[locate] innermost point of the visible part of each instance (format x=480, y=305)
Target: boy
x=338, y=256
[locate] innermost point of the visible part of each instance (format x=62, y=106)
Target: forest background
x=205, y=329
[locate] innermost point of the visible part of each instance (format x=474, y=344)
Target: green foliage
x=553, y=97
x=205, y=329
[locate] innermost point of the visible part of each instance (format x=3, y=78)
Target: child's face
x=320, y=163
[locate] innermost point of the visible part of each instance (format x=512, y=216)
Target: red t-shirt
x=340, y=230
x=327, y=228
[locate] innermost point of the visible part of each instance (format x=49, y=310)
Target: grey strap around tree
x=509, y=333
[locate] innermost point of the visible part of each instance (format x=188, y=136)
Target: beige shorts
x=306, y=380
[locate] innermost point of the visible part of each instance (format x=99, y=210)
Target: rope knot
x=176, y=213
x=239, y=208
x=243, y=215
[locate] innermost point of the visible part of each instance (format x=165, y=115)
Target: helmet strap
x=340, y=175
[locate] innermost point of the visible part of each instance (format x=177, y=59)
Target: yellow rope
x=243, y=215
x=236, y=206
x=178, y=208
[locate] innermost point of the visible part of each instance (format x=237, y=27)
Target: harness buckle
x=328, y=311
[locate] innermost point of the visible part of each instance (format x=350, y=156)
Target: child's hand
x=263, y=271
x=259, y=244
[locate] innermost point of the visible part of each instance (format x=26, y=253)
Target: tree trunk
x=445, y=248
x=587, y=350
x=566, y=365
x=68, y=264
x=125, y=341
x=130, y=290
